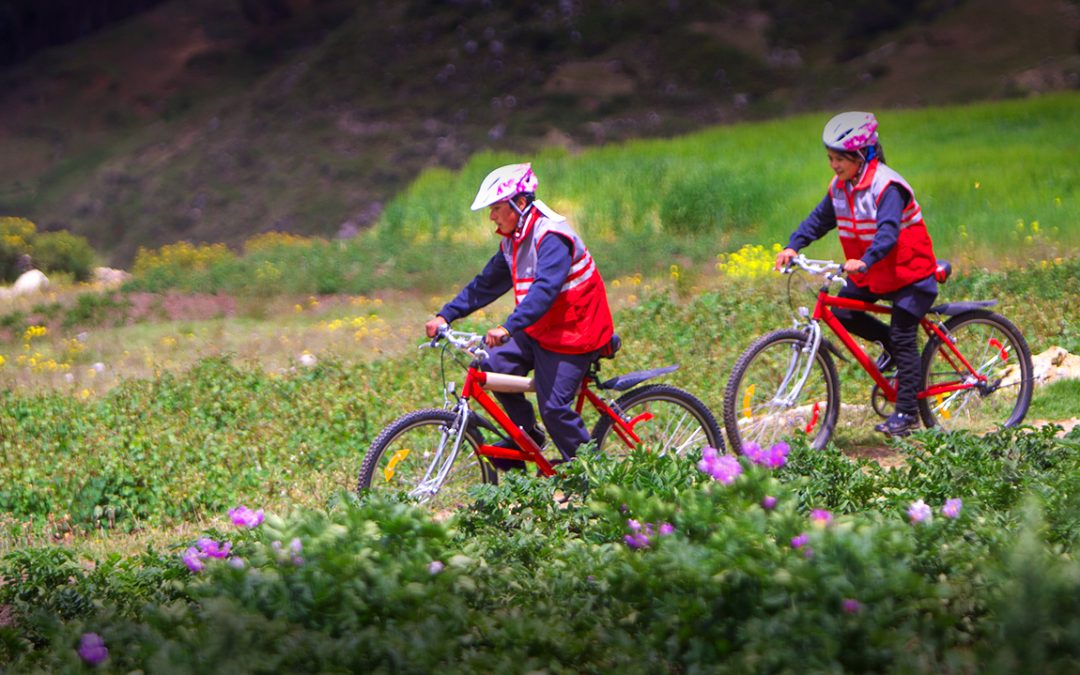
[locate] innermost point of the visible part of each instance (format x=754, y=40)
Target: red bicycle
x=434, y=455
x=976, y=370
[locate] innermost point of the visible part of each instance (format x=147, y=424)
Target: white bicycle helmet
x=504, y=184
x=851, y=132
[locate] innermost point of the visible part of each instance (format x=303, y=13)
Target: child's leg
x=903, y=338
x=861, y=323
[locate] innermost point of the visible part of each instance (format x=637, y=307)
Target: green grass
x=1056, y=401
x=978, y=171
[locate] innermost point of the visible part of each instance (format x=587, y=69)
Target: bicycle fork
x=445, y=455
x=810, y=349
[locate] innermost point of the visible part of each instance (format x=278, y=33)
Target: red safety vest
x=911, y=260
x=579, y=319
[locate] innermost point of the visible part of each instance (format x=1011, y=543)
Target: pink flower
x=193, y=558
x=851, y=606
x=242, y=516
x=666, y=529
x=209, y=548
x=773, y=458
x=799, y=541
x=919, y=512
x=768, y=503
x=952, y=507
x=820, y=517
x=724, y=468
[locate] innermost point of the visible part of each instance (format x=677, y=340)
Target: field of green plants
x=998, y=183
x=105, y=496
x=176, y=495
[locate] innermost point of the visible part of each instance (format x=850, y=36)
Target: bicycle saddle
x=943, y=271
x=609, y=350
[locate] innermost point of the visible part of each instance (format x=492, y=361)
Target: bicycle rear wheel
x=674, y=421
x=996, y=350
x=408, y=455
x=764, y=401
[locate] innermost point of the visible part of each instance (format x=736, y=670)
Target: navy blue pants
x=899, y=338
x=557, y=377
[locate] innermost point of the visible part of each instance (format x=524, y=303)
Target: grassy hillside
x=190, y=122
x=997, y=181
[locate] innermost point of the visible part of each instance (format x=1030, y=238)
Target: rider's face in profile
x=504, y=217
x=844, y=166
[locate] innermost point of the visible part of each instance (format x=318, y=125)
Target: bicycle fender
x=624, y=382
x=954, y=308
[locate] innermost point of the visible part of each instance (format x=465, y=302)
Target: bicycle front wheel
x=997, y=351
x=779, y=390
x=664, y=418
x=415, y=457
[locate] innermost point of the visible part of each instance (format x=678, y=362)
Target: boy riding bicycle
x=887, y=248
x=561, y=318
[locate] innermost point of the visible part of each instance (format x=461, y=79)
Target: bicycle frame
x=823, y=311
x=477, y=385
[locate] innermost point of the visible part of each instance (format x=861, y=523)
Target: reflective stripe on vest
x=856, y=221
x=579, y=319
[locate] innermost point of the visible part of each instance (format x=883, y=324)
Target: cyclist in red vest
x=561, y=317
x=887, y=249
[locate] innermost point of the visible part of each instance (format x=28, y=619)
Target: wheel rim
x=412, y=454
x=995, y=356
x=768, y=404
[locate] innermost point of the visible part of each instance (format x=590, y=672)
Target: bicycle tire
x=974, y=332
x=751, y=415
x=680, y=422
x=401, y=454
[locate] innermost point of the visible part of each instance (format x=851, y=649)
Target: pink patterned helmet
x=505, y=183
x=851, y=132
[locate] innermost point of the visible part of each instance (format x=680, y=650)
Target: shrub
x=64, y=252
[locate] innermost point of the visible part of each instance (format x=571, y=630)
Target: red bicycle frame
x=823, y=312
x=474, y=389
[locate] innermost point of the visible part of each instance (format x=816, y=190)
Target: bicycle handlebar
x=472, y=343
x=832, y=271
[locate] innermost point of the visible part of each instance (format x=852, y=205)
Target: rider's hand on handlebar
x=496, y=336
x=854, y=266
x=432, y=327
x=784, y=258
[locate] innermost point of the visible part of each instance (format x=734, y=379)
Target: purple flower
x=636, y=541
x=209, y=548
x=242, y=516
x=92, y=649
x=435, y=566
x=799, y=541
x=768, y=503
x=666, y=529
x=237, y=563
x=919, y=511
x=778, y=455
x=634, y=525
x=193, y=558
x=773, y=458
x=820, y=517
x=851, y=606
x=724, y=468
x=952, y=508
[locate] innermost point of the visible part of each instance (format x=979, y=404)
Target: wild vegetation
x=211, y=121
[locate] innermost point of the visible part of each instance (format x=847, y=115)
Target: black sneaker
x=508, y=464
x=898, y=424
